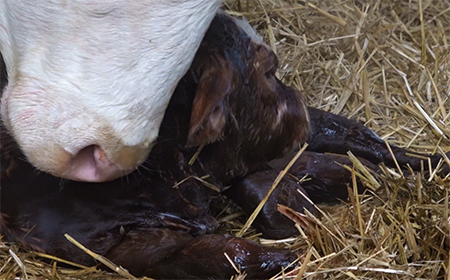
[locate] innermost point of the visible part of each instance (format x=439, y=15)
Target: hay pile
x=386, y=64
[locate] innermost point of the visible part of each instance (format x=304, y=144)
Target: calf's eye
x=271, y=73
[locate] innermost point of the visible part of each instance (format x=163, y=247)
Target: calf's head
x=240, y=106
x=89, y=81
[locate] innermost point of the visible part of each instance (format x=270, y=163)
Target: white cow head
x=89, y=80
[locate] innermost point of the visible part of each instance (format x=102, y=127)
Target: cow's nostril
x=91, y=164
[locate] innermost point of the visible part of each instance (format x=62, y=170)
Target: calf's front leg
x=332, y=133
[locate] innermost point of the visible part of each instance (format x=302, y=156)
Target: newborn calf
x=155, y=222
x=226, y=129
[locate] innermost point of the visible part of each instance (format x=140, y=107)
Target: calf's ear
x=210, y=109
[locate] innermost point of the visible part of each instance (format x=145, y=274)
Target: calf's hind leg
x=168, y=254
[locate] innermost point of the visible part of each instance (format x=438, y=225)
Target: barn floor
x=386, y=64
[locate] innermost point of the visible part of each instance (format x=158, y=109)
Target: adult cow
x=89, y=81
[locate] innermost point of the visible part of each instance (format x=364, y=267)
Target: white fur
x=247, y=28
x=85, y=72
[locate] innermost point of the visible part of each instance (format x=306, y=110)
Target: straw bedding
x=386, y=64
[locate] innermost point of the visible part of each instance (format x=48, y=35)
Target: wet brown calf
x=246, y=125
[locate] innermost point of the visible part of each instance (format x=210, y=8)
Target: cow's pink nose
x=91, y=164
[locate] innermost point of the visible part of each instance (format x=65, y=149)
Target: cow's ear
x=210, y=108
